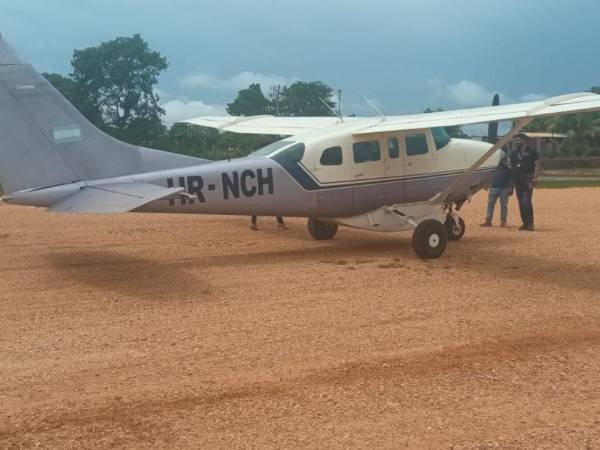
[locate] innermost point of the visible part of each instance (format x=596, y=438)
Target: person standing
x=501, y=188
x=280, y=223
x=525, y=165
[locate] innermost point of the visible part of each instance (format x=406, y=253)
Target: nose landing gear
x=455, y=226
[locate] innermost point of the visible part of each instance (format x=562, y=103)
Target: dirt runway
x=166, y=331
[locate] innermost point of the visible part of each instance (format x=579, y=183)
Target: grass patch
x=564, y=184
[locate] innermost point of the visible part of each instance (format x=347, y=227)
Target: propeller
x=492, y=137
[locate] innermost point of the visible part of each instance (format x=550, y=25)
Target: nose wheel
x=456, y=227
x=430, y=239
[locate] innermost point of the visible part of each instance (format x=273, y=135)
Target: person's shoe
x=486, y=224
x=283, y=226
x=523, y=227
x=253, y=227
x=530, y=228
x=503, y=224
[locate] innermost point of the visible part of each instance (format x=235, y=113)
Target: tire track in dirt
x=461, y=358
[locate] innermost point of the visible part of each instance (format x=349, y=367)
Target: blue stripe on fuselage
x=305, y=179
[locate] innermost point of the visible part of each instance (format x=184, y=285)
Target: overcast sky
x=405, y=55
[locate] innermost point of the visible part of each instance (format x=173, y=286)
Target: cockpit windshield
x=441, y=137
x=266, y=151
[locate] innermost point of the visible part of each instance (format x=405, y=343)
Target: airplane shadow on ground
x=150, y=279
x=488, y=255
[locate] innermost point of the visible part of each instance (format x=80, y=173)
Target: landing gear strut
x=430, y=239
x=321, y=231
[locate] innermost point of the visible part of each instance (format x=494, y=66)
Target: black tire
x=430, y=239
x=455, y=231
x=321, y=231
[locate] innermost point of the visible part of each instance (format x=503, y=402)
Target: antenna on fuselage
x=377, y=110
x=335, y=113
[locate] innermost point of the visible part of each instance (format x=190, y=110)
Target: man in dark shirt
x=501, y=187
x=525, y=166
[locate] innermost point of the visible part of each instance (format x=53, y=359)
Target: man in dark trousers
x=280, y=223
x=525, y=166
x=501, y=187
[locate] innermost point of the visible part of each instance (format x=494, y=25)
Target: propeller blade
x=493, y=126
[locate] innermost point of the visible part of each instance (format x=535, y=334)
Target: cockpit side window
x=332, y=157
x=366, y=151
x=271, y=148
x=416, y=144
x=440, y=137
x=292, y=154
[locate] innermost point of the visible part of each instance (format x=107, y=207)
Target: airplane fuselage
x=271, y=185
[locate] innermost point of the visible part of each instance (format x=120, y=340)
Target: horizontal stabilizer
x=113, y=198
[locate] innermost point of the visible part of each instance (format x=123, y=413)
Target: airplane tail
x=45, y=141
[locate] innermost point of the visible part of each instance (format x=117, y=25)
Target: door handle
x=358, y=175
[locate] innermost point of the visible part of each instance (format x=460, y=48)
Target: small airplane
x=381, y=173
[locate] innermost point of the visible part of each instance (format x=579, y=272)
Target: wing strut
x=459, y=183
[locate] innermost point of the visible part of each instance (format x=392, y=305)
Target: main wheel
x=320, y=230
x=430, y=239
x=456, y=231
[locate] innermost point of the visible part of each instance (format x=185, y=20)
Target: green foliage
x=565, y=184
x=209, y=143
x=250, y=102
x=72, y=91
x=120, y=76
x=299, y=99
x=582, y=130
x=304, y=99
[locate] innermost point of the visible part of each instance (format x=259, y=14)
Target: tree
x=304, y=99
x=120, y=76
x=250, y=102
x=68, y=87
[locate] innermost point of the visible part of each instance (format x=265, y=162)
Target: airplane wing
x=283, y=126
x=112, y=198
x=290, y=126
x=573, y=103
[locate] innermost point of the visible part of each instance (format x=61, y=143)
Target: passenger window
x=332, y=157
x=416, y=144
x=366, y=151
x=393, y=148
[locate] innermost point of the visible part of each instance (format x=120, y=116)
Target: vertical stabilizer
x=46, y=141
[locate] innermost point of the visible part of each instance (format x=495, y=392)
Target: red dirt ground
x=168, y=331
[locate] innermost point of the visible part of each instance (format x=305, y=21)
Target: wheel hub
x=434, y=240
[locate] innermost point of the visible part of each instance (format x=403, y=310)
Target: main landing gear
x=431, y=237
x=321, y=231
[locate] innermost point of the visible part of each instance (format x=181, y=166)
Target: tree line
x=113, y=83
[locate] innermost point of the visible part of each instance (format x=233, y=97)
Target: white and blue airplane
x=381, y=174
